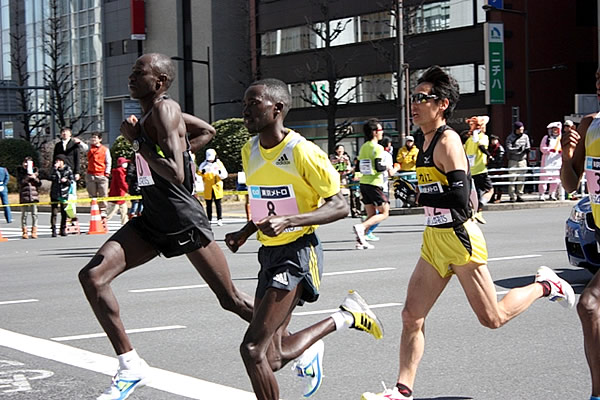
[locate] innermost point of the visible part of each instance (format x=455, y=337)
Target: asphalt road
x=51, y=346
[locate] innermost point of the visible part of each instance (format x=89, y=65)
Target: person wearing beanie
x=517, y=150
x=118, y=188
x=213, y=172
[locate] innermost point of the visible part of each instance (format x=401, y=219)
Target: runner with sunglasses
x=452, y=241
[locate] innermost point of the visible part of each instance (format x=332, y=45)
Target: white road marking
x=18, y=301
x=163, y=380
x=332, y=310
x=164, y=289
x=514, y=257
x=357, y=271
x=97, y=335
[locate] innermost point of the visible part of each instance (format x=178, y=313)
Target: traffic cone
x=3, y=239
x=96, y=225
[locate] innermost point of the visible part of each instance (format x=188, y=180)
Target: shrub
x=228, y=142
x=12, y=154
x=121, y=148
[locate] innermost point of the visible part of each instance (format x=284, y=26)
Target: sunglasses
x=422, y=98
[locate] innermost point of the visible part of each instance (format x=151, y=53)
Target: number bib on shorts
x=433, y=215
x=272, y=200
x=144, y=175
x=592, y=176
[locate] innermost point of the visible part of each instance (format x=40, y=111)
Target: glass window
x=480, y=12
x=5, y=18
x=481, y=80
x=83, y=50
x=376, y=88
x=377, y=26
x=464, y=75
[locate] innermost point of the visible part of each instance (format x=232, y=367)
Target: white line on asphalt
x=336, y=309
x=164, y=289
x=357, y=271
x=166, y=381
x=97, y=335
x=18, y=301
x=514, y=257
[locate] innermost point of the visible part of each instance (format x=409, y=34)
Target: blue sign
x=496, y=3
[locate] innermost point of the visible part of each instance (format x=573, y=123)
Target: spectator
x=134, y=190
x=118, y=188
x=496, y=160
x=213, y=172
x=29, y=182
x=69, y=146
x=341, y=162
x=517, y=150
x=61, y=177
x=4, y=177
x=98, y=171
x=551, y=161
x=407, y=157
x=476, y=149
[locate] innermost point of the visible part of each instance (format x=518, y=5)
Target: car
x=580, y=238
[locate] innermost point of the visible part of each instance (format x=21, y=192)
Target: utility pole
x=400, y=103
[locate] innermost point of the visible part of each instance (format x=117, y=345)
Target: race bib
x=471, y=159
x=433, y=215
x=365, y=167
x=592, y=177
x=272, y=200
x=144, y=175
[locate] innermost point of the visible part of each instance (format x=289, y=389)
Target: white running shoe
x=309, y=368
x=125, y=382
x=366, y=246
x=359, y=231
x=364, y=318
x=560, y=290
x=220, y=222
x=387, y=394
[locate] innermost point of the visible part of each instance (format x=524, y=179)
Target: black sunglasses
x=421, y=98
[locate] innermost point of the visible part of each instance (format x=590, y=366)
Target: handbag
x=71, y=208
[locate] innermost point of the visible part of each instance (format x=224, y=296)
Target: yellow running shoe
x=364, y=318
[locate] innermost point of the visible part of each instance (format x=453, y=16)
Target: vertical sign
x=496, y=3
x=494, y=63
x=138, y=22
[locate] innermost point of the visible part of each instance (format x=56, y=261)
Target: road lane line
x=163, y=380
x=382, y=305
x=18, y=301
x=164, y=289
x=514, y=257
x=97, y=335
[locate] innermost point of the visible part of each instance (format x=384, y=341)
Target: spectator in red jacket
x=118, y=188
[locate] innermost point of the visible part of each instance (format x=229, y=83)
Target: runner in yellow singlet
x=581, y=154
x=287, y=178
x=452, y=241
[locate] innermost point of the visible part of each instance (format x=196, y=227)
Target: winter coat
x=517, y=146
x=71, y=153
x=28, y=185
x=212, y=174
x=60, y=190
x=496, y=159
x=551, y=153
x=132, y=179
x=118, y=184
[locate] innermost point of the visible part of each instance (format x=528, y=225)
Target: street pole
x=400, y=103
x=527, y=84
x=209, y=85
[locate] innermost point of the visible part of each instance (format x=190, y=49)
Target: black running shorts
x=286, y=266
x=372, y=194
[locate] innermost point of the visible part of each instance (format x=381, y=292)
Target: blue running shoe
x=309, y=368
x=125, y=382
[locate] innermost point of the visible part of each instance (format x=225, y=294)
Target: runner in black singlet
x=173, y=221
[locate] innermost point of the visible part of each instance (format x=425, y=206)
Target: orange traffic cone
x=3, y=239
x=96, y=225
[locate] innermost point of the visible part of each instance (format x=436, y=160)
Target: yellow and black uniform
x=451, y=237
x=592, y=169
x=290, y=178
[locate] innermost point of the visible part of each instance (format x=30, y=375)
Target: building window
x=438, y=16
x=379, y=87
x=464, y=75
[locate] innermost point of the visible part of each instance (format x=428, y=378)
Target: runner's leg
x=588, y=309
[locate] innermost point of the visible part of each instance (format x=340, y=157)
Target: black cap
x=60, y=157
x=518, y=125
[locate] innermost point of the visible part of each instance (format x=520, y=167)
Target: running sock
x=371, y=229
x=404, y=390
x=342, y=319
x=129, y=360
x=546, y=288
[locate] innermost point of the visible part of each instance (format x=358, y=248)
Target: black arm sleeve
x=379, y=165
x=484, y=150
x=456, y=195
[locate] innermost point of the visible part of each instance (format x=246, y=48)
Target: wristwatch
x=137, y=143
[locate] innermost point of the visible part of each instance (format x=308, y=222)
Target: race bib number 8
x=592, y=176
x=272, y=200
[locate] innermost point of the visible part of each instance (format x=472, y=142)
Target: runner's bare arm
x=168, y=125
x=199, y=132
x=573, y=155
x=335, y=207
x=449, y=155
x=235, y=240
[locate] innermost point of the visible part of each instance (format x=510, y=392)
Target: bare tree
x=32, y=121
x=328, y=99
x=58, y=74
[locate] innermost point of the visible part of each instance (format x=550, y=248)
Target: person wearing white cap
x=407, y=155
x=551, y=161
x=213, y=172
